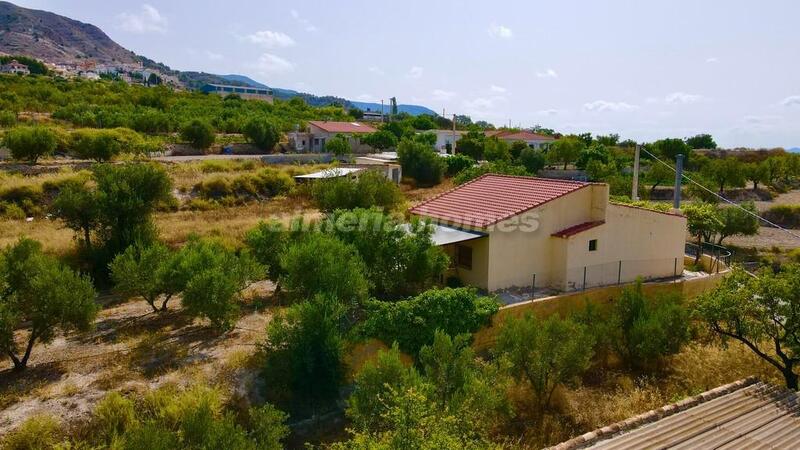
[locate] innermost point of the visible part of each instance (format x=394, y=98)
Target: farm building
x=560, y=234
x=319, y=132
x=246, y=92
x=534, y=140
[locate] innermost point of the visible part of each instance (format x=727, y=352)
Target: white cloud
x=682, y=98
x=365, y=98
x=500, y=31
x=270, y=39
x=792, y=100
x=548, y=112
x=712, y=59
x=442, y=95
x=376, y=70
x=497, y=89
x=483, y=106
x=214, y=56
x=603, y=105
x=268, y=63
x=147, y=20
x=305, y=23
x=549, y=73
x=416, y=72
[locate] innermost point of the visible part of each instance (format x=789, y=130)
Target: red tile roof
x=575, y=229
x=491, y=198
x=343, y=127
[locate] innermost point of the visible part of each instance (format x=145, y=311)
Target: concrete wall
x=602, y=297
x=516, y=255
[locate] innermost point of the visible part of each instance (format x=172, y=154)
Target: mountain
x=55, y=38
x=311, y=99
x=793, y=150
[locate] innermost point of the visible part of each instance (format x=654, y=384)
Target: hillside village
x=212, y=265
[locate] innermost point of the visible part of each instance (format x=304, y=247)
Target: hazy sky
x=644, y=69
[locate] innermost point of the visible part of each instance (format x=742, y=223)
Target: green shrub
x=304, y=354
x=262, y=132
x=11, y=211
x=36, y=433
x=99, y=145
x=339, y=145
x=198, y=133
x=371, y=189
x=784, y=215
x=31, y=143
x=7, y=119
x=113, y=416
x=496, y=167
x=421, y=162
x=265, y=183
x=457, y=163
x=412, y=323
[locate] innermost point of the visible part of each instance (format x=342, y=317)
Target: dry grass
x=609, y=396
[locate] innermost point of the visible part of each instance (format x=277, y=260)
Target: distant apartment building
x=319, y=132
x=246, y=92
x=15, y=67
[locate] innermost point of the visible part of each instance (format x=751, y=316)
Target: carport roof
x=492, y=198
x=743, y=414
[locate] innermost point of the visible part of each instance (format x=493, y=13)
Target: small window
x=593, y=245
x=464, y=257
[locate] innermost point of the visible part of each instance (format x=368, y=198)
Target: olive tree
x=762, y=312
x=41, y=295
x=31, y=143
x=267, y=242
x=147, y=271
x=702, y=221
x=339, y=145
x=198, y=133
x=565, y=150
x=262, y=133
x=76, y=205
x=545, y=353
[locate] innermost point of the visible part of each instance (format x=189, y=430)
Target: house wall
x=515, y=256
x=478, y=275
x=445, y=136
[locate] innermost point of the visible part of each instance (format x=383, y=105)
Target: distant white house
x=319, y=132
x=15, y=67
x=90, y=75
x=534, y=140
x=446, y=140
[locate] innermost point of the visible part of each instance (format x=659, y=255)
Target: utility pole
x=635, y=188
x=678, y=178
x=381, y=110
x=454, y=135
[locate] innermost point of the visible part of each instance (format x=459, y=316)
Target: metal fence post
x=619, y=272
x=584, y=278
x=533, y=286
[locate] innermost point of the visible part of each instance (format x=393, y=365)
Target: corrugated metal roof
x=330, y=173
x=491, y=198
x=746, y=414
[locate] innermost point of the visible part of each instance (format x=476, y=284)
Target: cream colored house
x=560, y=234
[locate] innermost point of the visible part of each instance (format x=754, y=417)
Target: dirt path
x=130, y=349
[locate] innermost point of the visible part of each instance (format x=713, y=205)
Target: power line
x=790, y=232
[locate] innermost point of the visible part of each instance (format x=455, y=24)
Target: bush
x=321, y=264
x=397, y=262
x=36, y=433
x=457, y=163
x=497, y=167
x=262, y=133
x=304, y=354
x=339, y=145
x=784, y=215
x=31, y=143
x=7, y=119
x=640, y=330
x=370, y=189
x=420, y=162
x=545, y=353
x=532, y=160
x=265, y=183
x=113, y=416
x=380, y=140
x=198, y=133
x=99, y=145
x=412, y=323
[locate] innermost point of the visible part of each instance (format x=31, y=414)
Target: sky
x=643, y=69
